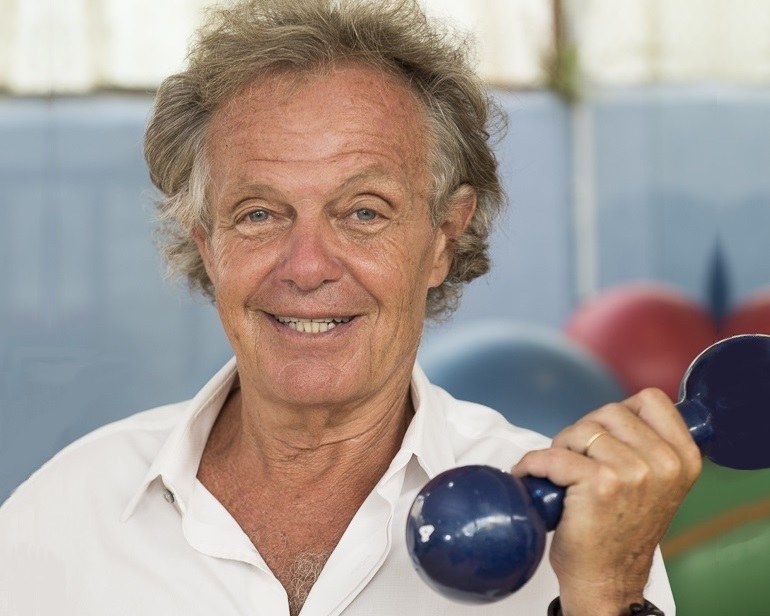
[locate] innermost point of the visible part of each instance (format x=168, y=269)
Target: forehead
x=351, y=110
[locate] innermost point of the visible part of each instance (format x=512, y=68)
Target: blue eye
x=257, y=216
x=365, y=214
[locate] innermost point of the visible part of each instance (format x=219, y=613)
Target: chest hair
x=302, y=575
x=294, y=538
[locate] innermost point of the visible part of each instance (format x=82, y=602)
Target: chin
x=316, y=385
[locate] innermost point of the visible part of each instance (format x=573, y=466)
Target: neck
x=305, y=445
x=273, y=468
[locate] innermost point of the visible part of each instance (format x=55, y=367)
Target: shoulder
x=480, y=434
x=65, y=520
x=112, y=458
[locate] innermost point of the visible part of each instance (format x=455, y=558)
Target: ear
x=460, y=209
x=203, y=242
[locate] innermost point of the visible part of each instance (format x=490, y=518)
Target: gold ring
x=593, y=439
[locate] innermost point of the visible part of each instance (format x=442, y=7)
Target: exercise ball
x=750, y=317
x=534, y=376
x=646, y=334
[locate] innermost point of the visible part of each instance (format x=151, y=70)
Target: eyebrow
x=267, y=190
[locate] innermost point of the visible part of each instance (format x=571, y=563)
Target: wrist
x=612, y=597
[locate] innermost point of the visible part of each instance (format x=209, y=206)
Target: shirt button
x=169, y=496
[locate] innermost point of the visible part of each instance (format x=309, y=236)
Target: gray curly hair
x=254, y=39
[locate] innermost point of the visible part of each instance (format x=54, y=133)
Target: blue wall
x=675, y=170
x=90, y=332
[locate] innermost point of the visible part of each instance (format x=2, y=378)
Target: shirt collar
x=427, y=438
x=176, y=463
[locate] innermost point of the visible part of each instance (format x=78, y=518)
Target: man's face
x=322, y=250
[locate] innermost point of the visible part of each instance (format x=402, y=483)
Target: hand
x=621, y=496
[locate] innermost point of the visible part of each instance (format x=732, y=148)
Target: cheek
x=234, y=264
x=399, y=270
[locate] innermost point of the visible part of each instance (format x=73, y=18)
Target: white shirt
x=118, y=524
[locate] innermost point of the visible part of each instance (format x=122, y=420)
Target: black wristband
x=554, y=608
x=635, y=609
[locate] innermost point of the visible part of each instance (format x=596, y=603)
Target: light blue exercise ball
x=534, y=376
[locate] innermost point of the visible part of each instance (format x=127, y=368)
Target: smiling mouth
x=312, y=326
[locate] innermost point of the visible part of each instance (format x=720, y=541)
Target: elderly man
x=328, y=181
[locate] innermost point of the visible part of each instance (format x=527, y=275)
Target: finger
x=648, y=423
x=655, y=409
x=599, y=442
x=612, y=419
x=575, y=437
x=559, y=465
x=621, y=441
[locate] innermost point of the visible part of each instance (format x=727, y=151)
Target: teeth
x=312, y=326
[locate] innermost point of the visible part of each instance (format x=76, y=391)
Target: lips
x=312, y=326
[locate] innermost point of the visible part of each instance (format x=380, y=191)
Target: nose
x=311, y=257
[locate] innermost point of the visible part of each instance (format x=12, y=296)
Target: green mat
x=717, y=550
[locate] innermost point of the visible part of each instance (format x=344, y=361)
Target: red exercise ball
x=751, y=317
x=646, y=334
